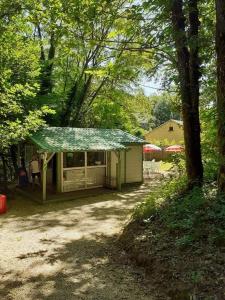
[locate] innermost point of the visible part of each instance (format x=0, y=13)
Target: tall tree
x=84, y=47
x=220, y=49
x=46, y=18
x=97, y=56
x=20, y=112
x=189, y=73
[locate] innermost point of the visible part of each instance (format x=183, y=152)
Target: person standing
x=35, y=170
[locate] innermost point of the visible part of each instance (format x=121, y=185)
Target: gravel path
x=64, y=250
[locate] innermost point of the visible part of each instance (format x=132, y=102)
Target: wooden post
x=44, y=177
x=109, y=166
x=58, y=167
x=119, y=171
x=125, y=166
x=142, y=167
x=62, y=177
x=85, y=169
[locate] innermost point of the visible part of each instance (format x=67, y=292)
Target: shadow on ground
x=115, y=205
x=65, y=250
x=92, y=276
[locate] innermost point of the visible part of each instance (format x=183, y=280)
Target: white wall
x=134, y=164
x=114, y=161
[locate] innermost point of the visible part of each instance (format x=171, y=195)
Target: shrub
x=189, y=217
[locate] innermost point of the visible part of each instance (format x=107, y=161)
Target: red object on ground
x=175, y=148
x=151, y=148
x=3, y=206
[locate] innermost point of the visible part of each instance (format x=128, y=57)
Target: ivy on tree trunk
x=46, y=82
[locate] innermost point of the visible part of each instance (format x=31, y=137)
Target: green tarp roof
x=62, y=139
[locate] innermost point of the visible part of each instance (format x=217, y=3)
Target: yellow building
x=168, y=133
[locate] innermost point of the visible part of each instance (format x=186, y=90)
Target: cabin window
x=171, y=128
x=95, y=158
x=73, y=159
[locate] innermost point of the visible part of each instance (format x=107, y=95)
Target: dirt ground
x=65, y=250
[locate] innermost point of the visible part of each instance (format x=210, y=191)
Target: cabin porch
x=54, y=196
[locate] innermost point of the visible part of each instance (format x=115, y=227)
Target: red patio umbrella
x=175, y=148
x=151, y=148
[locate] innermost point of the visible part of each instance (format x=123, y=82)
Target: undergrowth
x=193, y=217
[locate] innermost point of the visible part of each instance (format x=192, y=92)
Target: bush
x=209, y=143
x=178, y=160
x=190, y=216
x=157, y=197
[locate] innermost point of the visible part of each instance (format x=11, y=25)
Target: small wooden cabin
x=84, y=158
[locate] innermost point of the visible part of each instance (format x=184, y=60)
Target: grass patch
x=165, y=166
x=192, y=217
x=179, y=236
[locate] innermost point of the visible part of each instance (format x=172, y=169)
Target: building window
x=171, y=128
x=95, y=158
x=73, y=159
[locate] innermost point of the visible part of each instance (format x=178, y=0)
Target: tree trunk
x=76, y=99
x=4, y=187
x=77, y=117
x=46, y=82
x=220, y=50
x=66, y=113
x=195, y=75
x=188, y=69
x=14, y=155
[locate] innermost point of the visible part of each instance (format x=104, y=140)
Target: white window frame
x=85, y=168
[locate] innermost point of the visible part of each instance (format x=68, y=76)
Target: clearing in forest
x=64, y=250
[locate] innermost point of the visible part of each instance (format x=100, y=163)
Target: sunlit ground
x=62, y=250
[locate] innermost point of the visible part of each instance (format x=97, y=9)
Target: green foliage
x=209, y=142
x=19, y=113
x=109, y=114
x=196, y=277
x=192, y=217
x=118, y=109
x=92, y=53
x=165, y=106
x=178, y=161
x=75, y=51
x=157, y=197
x=101, y=51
